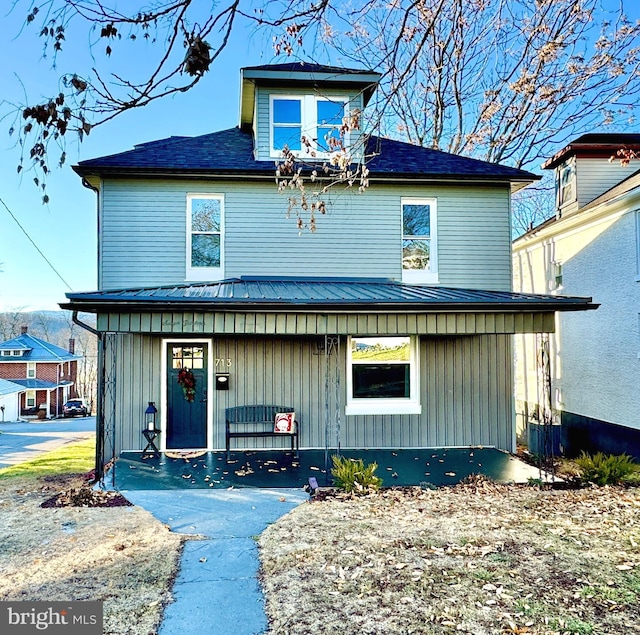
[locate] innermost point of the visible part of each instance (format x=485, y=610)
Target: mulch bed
x=86, y=497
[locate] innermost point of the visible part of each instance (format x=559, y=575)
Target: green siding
x=143, y=233
x=465, y=391
x=321, y=324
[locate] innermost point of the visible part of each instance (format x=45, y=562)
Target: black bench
x=257, y=421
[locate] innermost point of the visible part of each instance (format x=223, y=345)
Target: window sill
x=204, y=274
x=420, y=277
x=383, y=407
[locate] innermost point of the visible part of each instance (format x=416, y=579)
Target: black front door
x=187, y=396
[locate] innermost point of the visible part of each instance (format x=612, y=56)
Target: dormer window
x=565, y=185
x=317, y=119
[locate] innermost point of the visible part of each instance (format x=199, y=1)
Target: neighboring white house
x=591, y=247
x=9, y=400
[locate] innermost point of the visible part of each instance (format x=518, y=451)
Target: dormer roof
x=302, y=75
x=595, y=145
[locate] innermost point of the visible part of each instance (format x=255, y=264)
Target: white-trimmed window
x=205, y=236
x=30, y=399
x=6, y=353
x=17, y=353
x=566, y=185
x=317, y=119
x=419, y=251
x=382, y=375
x=31, y=370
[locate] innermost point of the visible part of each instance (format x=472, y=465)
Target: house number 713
x=223, y=361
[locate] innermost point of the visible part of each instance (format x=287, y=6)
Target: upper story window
x=31, y=370
x=205, y=236
x=315, y=119
x=419, y=253
x=565, y=185
x=17, y=353
x=6, y=353
x=382, y=376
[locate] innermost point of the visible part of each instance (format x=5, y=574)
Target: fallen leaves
x=477, y=558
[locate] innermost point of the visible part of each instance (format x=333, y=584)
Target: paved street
x=21, y=441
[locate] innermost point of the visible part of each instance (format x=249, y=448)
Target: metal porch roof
x=313, y=294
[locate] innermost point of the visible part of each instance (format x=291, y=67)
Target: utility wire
x=24, y=231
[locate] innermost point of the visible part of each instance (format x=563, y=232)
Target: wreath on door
x=187, y=380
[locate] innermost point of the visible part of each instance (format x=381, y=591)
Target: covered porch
x=278, y=469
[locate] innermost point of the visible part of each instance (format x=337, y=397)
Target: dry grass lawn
x=476, y=558
x=120, y=555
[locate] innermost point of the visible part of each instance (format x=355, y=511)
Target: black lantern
x=150, y=416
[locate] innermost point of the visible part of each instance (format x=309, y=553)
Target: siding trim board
x=298, y=324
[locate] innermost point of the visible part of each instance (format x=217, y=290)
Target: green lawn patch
x=69, y=459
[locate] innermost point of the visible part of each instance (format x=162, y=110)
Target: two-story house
x=591, y=246
x=45, y=372
x=390, y=326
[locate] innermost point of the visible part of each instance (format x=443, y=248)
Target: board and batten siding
x=143, y=233
x=262, y=121
x=465, y=388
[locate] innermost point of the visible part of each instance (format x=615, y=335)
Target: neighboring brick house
x=46, y=372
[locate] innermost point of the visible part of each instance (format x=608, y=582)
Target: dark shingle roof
x=315, y=293
x=308, y=67
x=231, y=151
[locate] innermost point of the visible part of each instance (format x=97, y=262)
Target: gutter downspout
x=99, y=456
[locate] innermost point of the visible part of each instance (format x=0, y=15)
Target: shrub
x=605, y=469
x=352, y=475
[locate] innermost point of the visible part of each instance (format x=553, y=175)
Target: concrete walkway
x=217, y=590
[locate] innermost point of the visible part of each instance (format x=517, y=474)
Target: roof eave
x=515, y=184
x=233, y=305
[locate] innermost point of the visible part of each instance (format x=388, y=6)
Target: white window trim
x=31, y=368
x=16, y=353
x=569, y=168
x=396, y=406
x=203, y=274
x=30, y=395
x=416, y=275
x=6, y=353
x=308, y=124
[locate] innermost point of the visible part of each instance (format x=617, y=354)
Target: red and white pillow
x=285, y=422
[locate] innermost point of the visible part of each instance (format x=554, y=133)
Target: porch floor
x=279, y=469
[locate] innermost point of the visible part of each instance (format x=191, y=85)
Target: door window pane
x=187, y=357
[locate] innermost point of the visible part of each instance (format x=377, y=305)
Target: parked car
x=74, y=407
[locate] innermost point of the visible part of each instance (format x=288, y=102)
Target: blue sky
x=65, y=229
